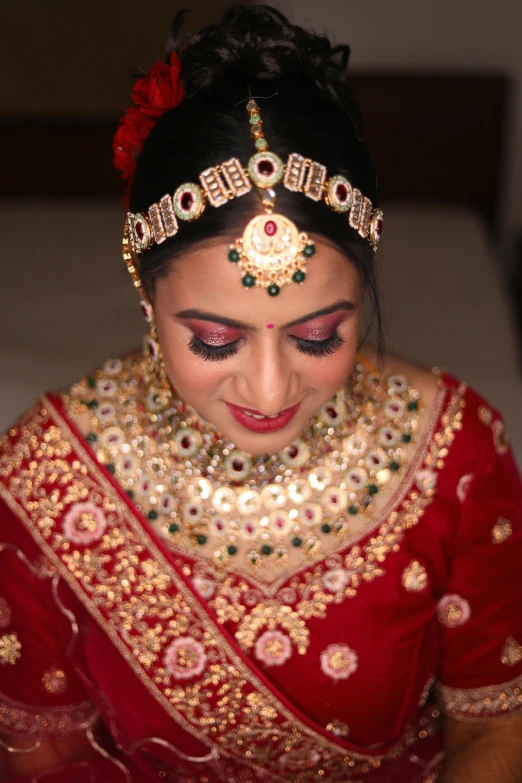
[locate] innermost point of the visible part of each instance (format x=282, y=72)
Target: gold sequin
x=55, y=680
x=414, y=577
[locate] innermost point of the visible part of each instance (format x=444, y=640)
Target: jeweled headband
x=272, y=251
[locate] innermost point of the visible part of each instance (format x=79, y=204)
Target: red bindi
x=270, y=326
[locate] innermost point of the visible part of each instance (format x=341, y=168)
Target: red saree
x=103, y=631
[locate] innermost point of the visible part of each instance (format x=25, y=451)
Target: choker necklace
x=209, y=499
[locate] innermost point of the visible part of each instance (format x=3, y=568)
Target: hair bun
x=260, y=45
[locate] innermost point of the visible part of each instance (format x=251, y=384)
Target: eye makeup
x=213, y=334
x=318, y=329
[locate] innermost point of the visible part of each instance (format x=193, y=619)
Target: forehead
x=205, y=279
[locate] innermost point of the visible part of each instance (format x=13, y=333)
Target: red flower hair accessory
x=155, y=94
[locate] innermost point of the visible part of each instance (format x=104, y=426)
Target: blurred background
x=440, y=86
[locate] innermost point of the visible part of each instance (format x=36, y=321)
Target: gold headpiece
x=272, y=251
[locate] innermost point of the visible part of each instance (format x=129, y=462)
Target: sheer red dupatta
x=182, y=668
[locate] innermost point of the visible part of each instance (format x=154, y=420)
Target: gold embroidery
x=19, y=719
x=55, y=680
x=466, y=704
x=485, y=415
x=511, y=652
x=338, y=728
x=502, y=531
x=500, y=437
x=10, y=648
x=414, y=577
x=143, y=605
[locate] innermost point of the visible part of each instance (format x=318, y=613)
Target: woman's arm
x=489, y=751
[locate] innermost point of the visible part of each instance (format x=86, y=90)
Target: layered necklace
x=209, y=499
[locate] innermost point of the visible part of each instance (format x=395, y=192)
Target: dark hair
x=308, y=108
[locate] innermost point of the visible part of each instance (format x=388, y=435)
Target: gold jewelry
x=272, y=252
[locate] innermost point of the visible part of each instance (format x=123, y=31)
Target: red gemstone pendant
x=270, y=228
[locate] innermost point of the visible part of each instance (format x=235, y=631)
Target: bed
x=66, y=302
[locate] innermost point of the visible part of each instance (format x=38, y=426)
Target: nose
x=271, y=383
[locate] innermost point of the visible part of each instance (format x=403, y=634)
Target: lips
x=256, y=422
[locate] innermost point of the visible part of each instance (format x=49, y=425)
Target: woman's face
x=257, y=367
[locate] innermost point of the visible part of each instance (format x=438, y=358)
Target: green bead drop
x=130, y=493
x=110, y=467
x=93, y=404
x=309, y=251
x=201, y=540
x=266, y=550
x=173, y=528
x=233, y=256
x=91, y=383
x=248, y=281
x=413, y=406
x=297, y=542
x=406, y=438
x=353, y=510
x=299, y=276
x=373, y=489
x=273, y=290
x=91, y=437
x=394, y=466
x=152, y=514
x=326, y=529
x=232, y=550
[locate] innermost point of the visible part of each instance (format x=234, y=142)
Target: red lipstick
x=245, y=417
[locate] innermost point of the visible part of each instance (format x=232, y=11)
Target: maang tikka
x=272, y=251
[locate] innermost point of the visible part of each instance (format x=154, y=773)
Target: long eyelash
x=319, y=347
x=213, y=353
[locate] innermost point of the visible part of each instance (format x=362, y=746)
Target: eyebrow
x=203, y=315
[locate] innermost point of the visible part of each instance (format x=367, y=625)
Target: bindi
x=270, y=326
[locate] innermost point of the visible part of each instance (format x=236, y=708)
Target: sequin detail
x=10, y=648
x=339, y=661
x=511, y=652
x=414, y=577
x=273, y=648
x=55, y=680
x=501, y=531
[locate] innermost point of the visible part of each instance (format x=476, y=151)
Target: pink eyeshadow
x=320, y=328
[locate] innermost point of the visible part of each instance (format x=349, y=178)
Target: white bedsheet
x=66, y=303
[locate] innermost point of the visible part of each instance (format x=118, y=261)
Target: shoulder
x=479, y=429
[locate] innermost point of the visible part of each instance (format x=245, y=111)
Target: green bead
x=406, y=438
x=261, y=144
x=326, y=528
x=233, y=256
x=394, y=466
x=91, y=383
x=92, y=438
x=93, y=404
x=413, y=406
x=248, y=281
x=130, y=493
x=152, y=514
x=298, y=276
x=232, y=550
x=353, y=510
x=309, y=251
x=110, y=467
x=266, y=550
x=173, y=528
x=254, y=119
x=201, y=540
x=297, y=541
x=273, y=290
x=373, y=489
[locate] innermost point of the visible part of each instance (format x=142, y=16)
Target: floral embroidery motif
x=338, y=728
x=453, y=610
x=9, y=649
x=273, y=648
x=205, y=587
x=511, y=652
x=339, y=661
x=55, y=680
x=500, y=437
x=414, y=577
x=502, y=531
x=485, y=415
x=84, y=523
x=5, y=614
x=185, y=657
x=463, y=487
x=470, y=703
x=426, y=480
x=336, y=579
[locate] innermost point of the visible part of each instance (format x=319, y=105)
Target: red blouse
x=435, y=624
